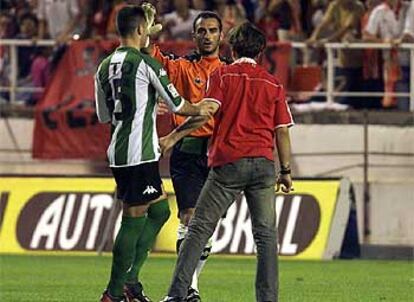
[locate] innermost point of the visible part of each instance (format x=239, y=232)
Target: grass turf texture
x=225, y=279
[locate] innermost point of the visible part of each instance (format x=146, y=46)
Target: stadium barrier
x=78, y=215
x=331, y=51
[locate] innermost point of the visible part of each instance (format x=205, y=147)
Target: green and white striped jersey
x=127, y=85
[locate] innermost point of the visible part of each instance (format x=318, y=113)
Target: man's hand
x=150, y=13
x=162, y=107
x=284, y=182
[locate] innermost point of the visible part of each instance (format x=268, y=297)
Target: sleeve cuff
x=213, y=100
x=285, y=125
x=177, y=108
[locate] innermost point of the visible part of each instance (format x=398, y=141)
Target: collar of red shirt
x=245, y=60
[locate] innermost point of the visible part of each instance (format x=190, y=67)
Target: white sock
x=181, y=233
x=200, y=264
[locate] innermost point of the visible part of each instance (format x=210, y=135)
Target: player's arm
x=213, y=99
x=172, y=66
x=153, y=28
x=190, y=124
x=282, y=121
x=284, y=179
x=102, y=110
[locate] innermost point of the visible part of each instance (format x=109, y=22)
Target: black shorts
x=138, y=185
x=189, y=172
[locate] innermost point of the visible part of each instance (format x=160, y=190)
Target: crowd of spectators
x=312, y=21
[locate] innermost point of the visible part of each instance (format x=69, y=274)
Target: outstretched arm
x=192, y=123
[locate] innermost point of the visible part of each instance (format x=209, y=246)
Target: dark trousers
x=256, y=177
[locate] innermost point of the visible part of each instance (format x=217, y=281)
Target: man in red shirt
x=250, y=108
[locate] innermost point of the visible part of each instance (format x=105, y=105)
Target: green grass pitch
x=225, y=279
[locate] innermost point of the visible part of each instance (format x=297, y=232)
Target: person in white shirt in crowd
x=385, y=25
x=58, y=19
x=406, y=37
x=408, y=33
x=179, y=23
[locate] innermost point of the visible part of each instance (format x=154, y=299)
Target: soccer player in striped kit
x=127, y=84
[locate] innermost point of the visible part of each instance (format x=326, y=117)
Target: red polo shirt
x=252, y=104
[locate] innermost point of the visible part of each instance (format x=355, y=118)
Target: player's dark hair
x=247, y=40
x=207, y=15
x=128, y=19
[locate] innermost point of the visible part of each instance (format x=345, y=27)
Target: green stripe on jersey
x=148, y=127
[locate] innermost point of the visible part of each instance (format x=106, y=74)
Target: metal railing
x=13, y=44
x=331, y=49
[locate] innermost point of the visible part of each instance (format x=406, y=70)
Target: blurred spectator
x=344, y=17
x=21, y=7
x=116, y=5
x=8, y=25
x=219, y=6
x=6, y=32
x=58, y=19
x=372, y=63
x=111, y=27
x=305, y=17
x=28, y=30
x=266, y=21
x=32, y=60
x=163, y=7
x=278, y=19
x=319, y=7
x=199, y=5
x=386, y=24
x=179, y=23
x=96, y=18
x=249, y=7
x=233, y=15
x=40, y=72
x=296, y=28
x=408, y=34
x=282, y=11
x=407, y=37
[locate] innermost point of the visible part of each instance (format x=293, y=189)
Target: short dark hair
x=128, y=19
x=207, y=15
x=247, y=40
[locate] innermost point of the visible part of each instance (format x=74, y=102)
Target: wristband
x=284, y=171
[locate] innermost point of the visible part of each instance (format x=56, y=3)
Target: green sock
x=124, y=251
x=158, y=214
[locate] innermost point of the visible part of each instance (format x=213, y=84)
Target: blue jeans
x=256, y=178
